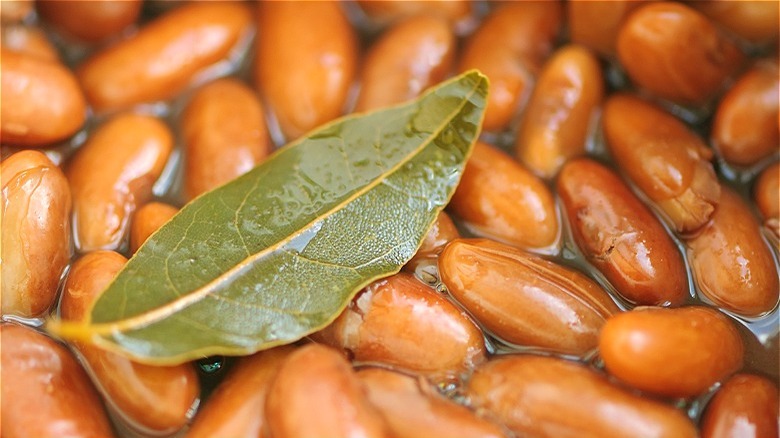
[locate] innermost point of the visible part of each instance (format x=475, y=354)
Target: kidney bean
x=45, y=392
x=524, y=299
x=754, y=21
x=672, y=352
x=318, y=382
x=765, y=196
x=620, y=236
x=509, y=47
x=412, y=408
x=385, y=12
x=305, y=62
x=501, y=199
x=405, y=324
x=676, y=53
x=28, y=40
x=162, y=59
x=442, y=231
x=36, y=206
x=224, y=135
x=560, y=112
x=549, y=397
x=89, y=21
x=668, y=162
x=595, y=24
x=745, y=129
x=745, y=406
x=235, y=409
x=112, y=174
x=408, y=58
x=149, y=398
x=147, y=220
x=40, y=101
x=731, y=263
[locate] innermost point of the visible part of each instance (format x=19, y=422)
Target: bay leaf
x=277, y=253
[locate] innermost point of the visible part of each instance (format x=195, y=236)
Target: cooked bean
x=305, y=62
x=595, y=24
x=560, y=112
x=745, y=406
x=620, y=236
x=112, y=174
x=731, y=263
x=524, y=299
x=501, y=199
x=676, y=53
x=755, y=21
x=45, y=392
x=15, y=11
x=28, y=40
x=161, y=59
x=548, y=397
x=666, y=160
x=442, y=231
x=147, y=220
x=36, y=206
x=671, y=352
x=224, y=135
x=384, y=12
x=765, y=193
x=89, y=21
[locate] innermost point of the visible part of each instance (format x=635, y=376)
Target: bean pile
x=608, y=266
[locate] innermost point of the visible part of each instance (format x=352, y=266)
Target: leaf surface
x=277, y=253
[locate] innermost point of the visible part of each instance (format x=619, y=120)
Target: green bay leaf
x=277, y=253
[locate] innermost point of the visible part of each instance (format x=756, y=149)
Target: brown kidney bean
x=147, y=220
x=161, y=59
x=235, y=408
x=384, y=12
x=412, y=408
x=408, y=58
x=36, y=207
x=112, y=174
x=595, y=24
x=150, y=398
x=15, y=11
x=224, y=135
x=549, y=397
x=45, y=392
x=620, y=236
x=524, y=299
x=745, y=406
x=671, y=352
x=731, y=263
x=676, y=53
x=40, y=101
x=89, y=21
x=745, y=129
x=666, y=160
x=442, y=231
x=765, y=196
x=403, y=323
x=560, y=112
x=319, y=383
x=28, y=40
x=509, y=47
x=755, y=21
x=305, y=62
x=499, y=198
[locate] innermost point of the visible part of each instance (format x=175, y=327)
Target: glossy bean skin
x=390, y=12
x=559, y=114
x=112, y=174
x=524, y=299
x=501, y=199
x=45, y=392
x=412, y=408
x=318, y=382
x=620, y=236
x=141, y=68
x=36, y=242
x=745, y=406
x=408, y=58
x=765, y=192
x=745, y=129
x=755, y=21
x=301, y=91
x=147, y=220
x=733, y=239
x=40, y=101
x=671, y=352
x=151, y=398
x=224, y=134
x=28, y=40
x=676, y=53
x=235, y=408
x=442, y=232
x=665, y=159
x=509, y=48
x=401, y=322
x=595, y=24
x=106, y=18
x=549, y=397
